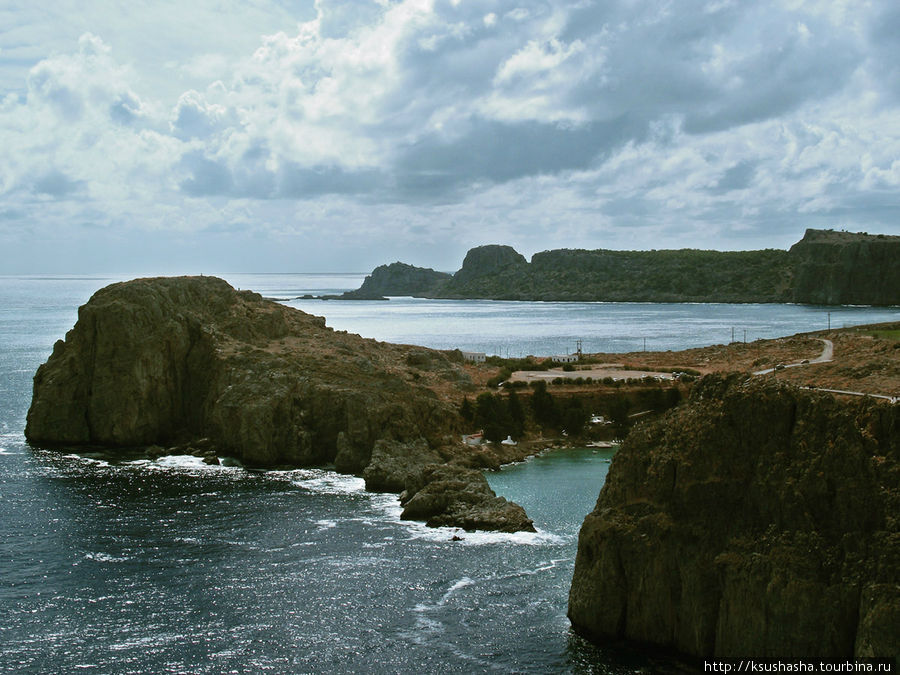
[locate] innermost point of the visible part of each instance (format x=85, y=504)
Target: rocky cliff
x=759, y=520
x=825, y=267
x=398, y=279
x=191, y=362
x=842, y=268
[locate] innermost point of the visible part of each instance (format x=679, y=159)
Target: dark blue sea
x=178, y=567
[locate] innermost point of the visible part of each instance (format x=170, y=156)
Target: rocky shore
x=759, y=520
x=190, y=365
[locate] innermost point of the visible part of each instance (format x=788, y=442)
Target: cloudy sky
x=336, y=135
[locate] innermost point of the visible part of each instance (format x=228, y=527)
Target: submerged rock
x=759, y=520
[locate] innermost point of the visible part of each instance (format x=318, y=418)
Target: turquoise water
x=175, y=566
x=555, y=486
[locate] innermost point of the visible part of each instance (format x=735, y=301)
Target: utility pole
x=829, y=320
x=645, y=344
x=732, y=333
x=745, y=336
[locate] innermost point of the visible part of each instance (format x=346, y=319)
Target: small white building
x=473, y=439
x=474, y=357
x=564, y=358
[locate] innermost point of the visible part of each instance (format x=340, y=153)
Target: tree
x=618, y=414
x=492, y=416
x=466, y=411
x=516, y=414
x=543, y=407
x=574, y=417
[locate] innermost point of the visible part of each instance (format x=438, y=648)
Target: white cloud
x=447, y=124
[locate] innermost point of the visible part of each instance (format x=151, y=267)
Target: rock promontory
x=760, y=520
x=825, y=267
x=843, y=268
x=191, y=363
x=397, y=279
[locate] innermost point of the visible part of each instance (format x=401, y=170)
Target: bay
x=173, y=566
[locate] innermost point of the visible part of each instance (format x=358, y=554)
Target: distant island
x=826, y=267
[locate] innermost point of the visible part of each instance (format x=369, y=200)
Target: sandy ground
x=616, y=371
x=840, y=360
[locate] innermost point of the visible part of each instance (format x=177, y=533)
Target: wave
x=87, y=460
x=104, y=557
x=322, y=481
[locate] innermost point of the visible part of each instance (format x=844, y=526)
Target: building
x=473, y=439
x=564, y=358
x=474, y=357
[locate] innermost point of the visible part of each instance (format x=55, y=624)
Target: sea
x=174, y=566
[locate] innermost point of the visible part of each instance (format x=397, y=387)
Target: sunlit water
x=545, y=328
x=175, y=566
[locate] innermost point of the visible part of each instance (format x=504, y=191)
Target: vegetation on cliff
x=825, y=267
x=658, y=276
x=760, y=519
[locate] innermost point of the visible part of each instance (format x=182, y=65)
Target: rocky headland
x=396, y=279
x=825, y=267
x=190, y=365
x=759, y=520
x=843, y=268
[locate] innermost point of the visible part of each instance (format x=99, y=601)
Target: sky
x=311, y=136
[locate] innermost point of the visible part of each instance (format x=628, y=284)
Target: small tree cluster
x=498, y=416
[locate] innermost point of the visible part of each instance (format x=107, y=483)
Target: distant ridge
x=826, y=267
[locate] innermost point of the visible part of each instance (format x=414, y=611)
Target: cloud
x=54, y=183
x=589, y=123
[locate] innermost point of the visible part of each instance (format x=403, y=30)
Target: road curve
x=826, y=356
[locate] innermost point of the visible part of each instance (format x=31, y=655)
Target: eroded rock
x=188, y=365
x=456, y=496
x=758, y=520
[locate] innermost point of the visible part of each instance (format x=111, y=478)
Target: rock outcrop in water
x=456, y=496
x=397, y=279
x=192, y=363
x=760, y=520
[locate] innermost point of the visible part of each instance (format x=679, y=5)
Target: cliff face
x=191, y=362
x=758, y=520
x=826, y=267
x=153, y=360
x=840, y=268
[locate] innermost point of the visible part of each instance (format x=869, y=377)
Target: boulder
x=448, y=495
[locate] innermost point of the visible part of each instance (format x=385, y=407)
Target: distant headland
x=826, y=267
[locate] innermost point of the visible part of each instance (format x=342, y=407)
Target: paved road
x=826, y=356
